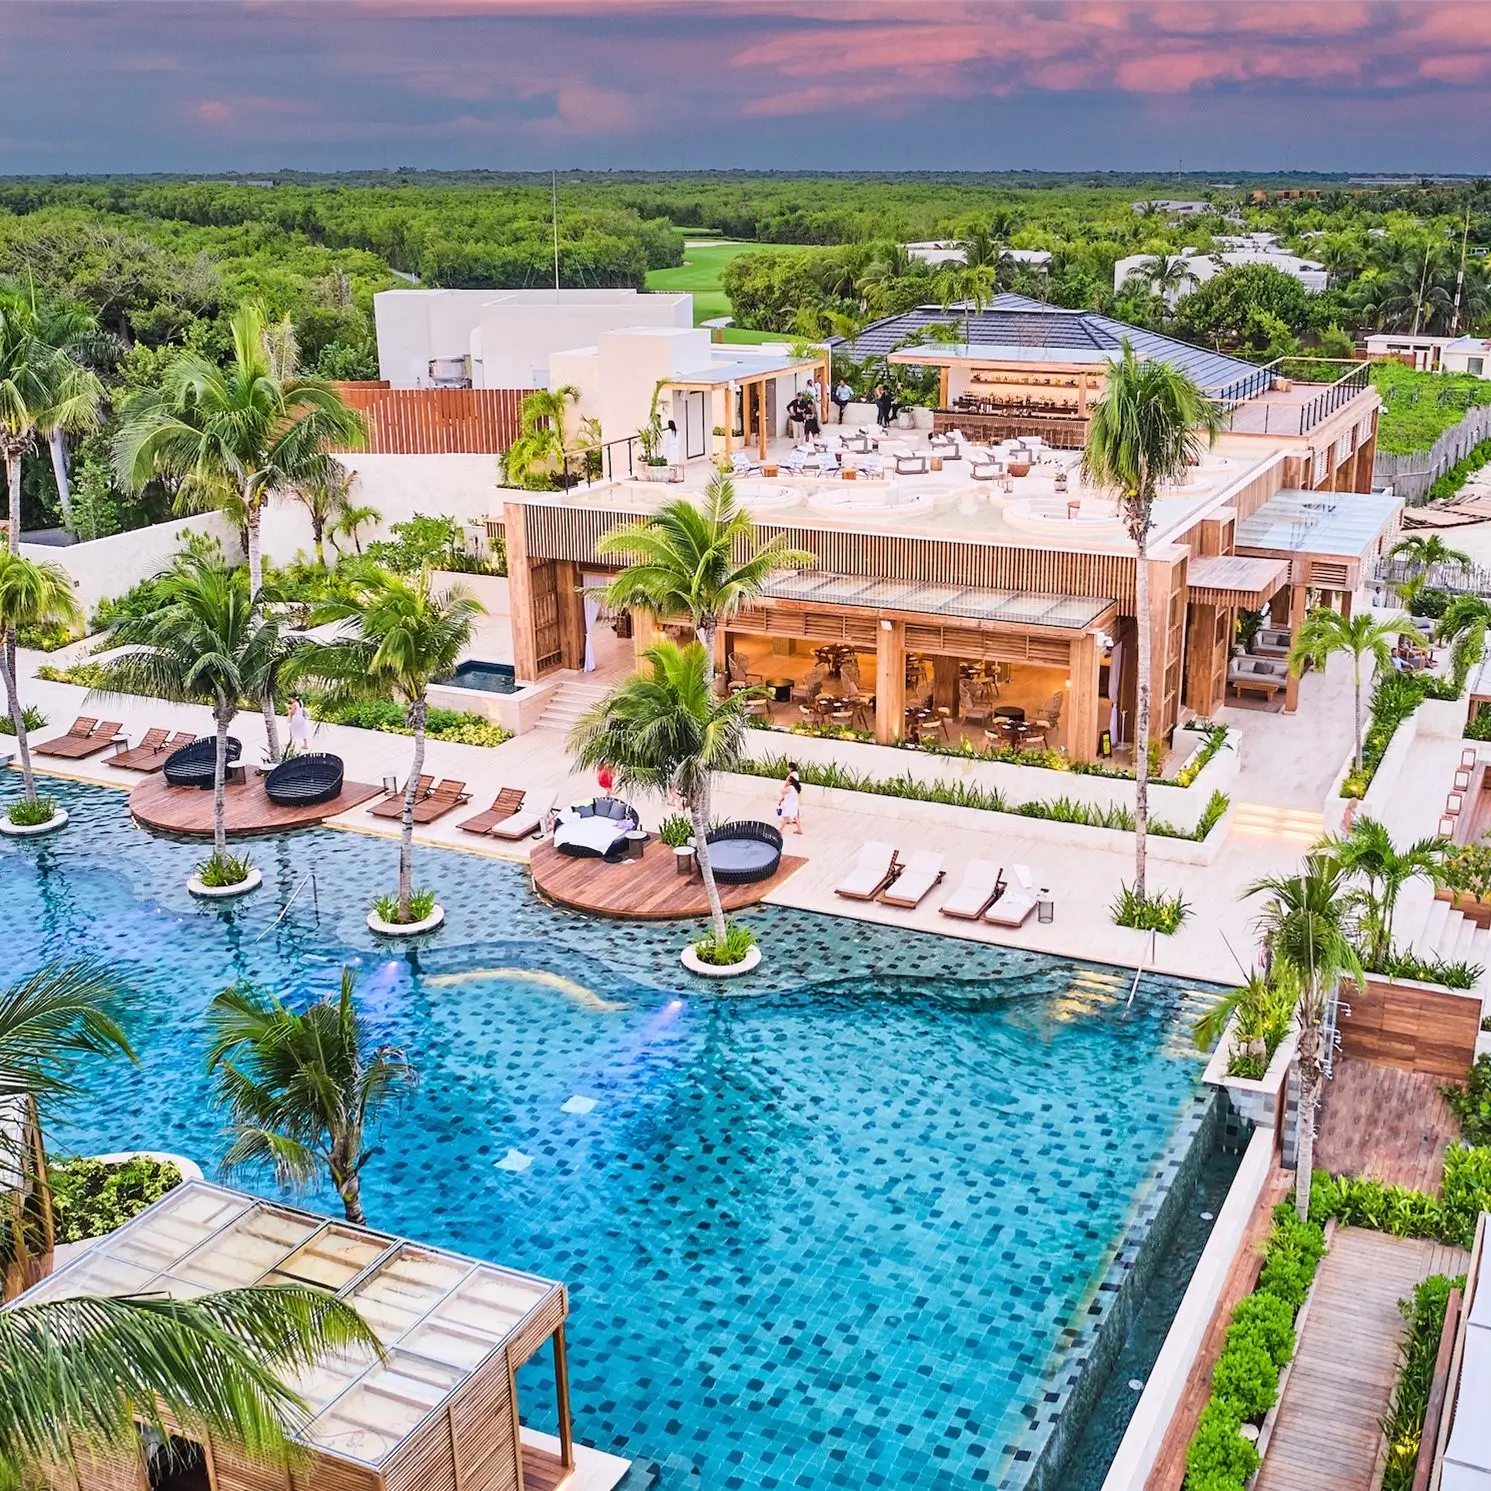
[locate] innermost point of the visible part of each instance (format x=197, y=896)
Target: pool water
x=859, y=1228
x=490, y=678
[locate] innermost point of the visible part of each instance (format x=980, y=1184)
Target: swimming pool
x=861, y=1228
x=489, y=678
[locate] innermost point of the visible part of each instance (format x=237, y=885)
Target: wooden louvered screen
x=1331, y=575
x=437, y=421
x=546, y=634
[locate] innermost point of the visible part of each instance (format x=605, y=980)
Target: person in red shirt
x=605, y=780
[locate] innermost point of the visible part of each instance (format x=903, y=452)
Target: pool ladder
x=1138, y=974
x=308, y=878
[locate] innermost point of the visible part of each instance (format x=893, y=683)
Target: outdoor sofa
x=1262, y=675
x=595, y=830
x=305, y=781
x=193, y=765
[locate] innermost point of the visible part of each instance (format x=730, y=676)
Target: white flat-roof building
x=502, y=338
x=1435, y=354
x=938, y=252
x=1244, y=250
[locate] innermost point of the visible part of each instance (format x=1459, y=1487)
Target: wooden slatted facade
x=1413, y=1026
x=437, y=421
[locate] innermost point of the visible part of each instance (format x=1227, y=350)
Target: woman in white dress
x=789, y=800
x=673, y=451
x=300, y=724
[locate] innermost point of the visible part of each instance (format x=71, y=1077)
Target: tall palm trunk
x=13, y=451
x=699, y=817
x=1311, y=1075
x=222, y=717
x=345, y=1177
x=253, y=513
x=416, y=717
x=1141, y=711
x=1356, y=663
x=57, y=441
x=17, y=715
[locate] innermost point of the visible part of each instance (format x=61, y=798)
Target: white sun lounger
x=528, y=818
x=1012, y=909
x=922, y=872
x=981, y=883
x=878, y=865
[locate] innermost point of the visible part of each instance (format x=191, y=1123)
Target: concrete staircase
x=569, y=702
x=1303, y=827
x=1434, y=929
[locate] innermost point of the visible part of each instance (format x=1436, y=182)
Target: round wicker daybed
x=304, y=781
x=192, y=765
x=744, y=852
x=595, y=830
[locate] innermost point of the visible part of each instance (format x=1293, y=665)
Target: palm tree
x=304, y=1090
x=1367, y=850
x=397, y=637
x=1304, y=924
x=683, y=561
x=1464, y=625
x=540, y=448
x=1325, y=632
x=349, y=522
x=76, y=1375
x=31, y=595
x=233, y=435
x=1164, y=274
x=42, y=388
x=1150, y=424
x=1423, y=551
x=326, y=496
x=207, y=642
x=970, y=285
x=663, y=729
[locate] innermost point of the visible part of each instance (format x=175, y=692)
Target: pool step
x=569, y=702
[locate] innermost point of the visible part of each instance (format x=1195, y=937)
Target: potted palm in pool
x=663, y=730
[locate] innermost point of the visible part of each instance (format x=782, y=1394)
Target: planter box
x=1472, y=908
x=1258, y=1099
x=1414, y=1026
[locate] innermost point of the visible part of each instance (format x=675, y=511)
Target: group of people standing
x=803, y=409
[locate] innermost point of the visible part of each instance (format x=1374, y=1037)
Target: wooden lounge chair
x=1012, y=907
x=74, y=746
x=529, y=818
x=80, y=729
x=507, y=802
x=393, y=807
x=440, y=800
x=149, y=755
x=910, y=887
x=982, y=882
x=878, y=865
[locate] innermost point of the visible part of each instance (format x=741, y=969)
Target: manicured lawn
x=700, y=274
x=1419, y=407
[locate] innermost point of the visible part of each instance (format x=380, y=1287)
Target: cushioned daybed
x=192, y=765
x=595, y=830
x=741, y=853
x=304, y=781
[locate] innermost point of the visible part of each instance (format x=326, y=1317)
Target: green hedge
x=1395, y=696
x=90, y=1198
x=1404, y=1425
x=1452, y=480
x=1448, y=1218
x=1260, y=1341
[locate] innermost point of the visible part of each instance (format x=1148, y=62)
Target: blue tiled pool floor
x=857, y=1228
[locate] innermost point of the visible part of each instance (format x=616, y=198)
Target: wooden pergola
x=752, y=390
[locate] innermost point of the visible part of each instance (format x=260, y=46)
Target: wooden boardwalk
x=188, y=810
x=1326, y=1436
x=1384, y=1122
x=648, y=889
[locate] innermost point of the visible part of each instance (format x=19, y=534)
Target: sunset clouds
x=968, y=84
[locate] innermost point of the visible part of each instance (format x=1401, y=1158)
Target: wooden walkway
x=1326, y=1436
x=648, y=889
x=1383, y=1122
x=188, y=810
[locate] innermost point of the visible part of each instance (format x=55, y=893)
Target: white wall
x=631, y=364
x=463, y=487
x=107, y=567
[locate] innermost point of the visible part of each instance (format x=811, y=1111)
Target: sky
x=1198, y=85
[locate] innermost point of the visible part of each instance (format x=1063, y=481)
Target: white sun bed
x=877, y=866
x=981, y=883
x=528, y=818
x=1012, y=909
x=922, y=872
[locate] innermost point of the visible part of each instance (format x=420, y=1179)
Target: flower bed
x=1404, y=1426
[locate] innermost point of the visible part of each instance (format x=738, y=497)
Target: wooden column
x=729, y=417
x=520, y=594
x=1201, y=659
x=1345, y=605
x=1296, y=620
x=561, y=1394
x=942, y=390
x=644, y=634
x=721, y=670
x=1366, y=459
x=1082, y=729
x=761, y=421
x=1164, y=650
x=890, y=681
x=571, y=614
x=945, y=684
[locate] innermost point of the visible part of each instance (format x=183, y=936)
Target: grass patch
x=699, y=275
x=1419, y=407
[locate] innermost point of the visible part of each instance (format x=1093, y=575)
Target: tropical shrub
x=44, y=638
x=1449, y=1217
x=1400, y=963
x=91, y=1197
x=1219, y=1458
x=1467, y=867
x=675, y=830
x=1246, y=1375
x=1471, y=1104
x=219, y=871
x=23, y=814
x=33, y=718
x=737, y=942
x=1150, y=913
x=430, y=543
x=1268, y=1320
x=1450, y=482
x=421, y=905
x=1404, y=1424
x=461, y=726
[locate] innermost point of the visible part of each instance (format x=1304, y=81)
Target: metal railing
x=616, y=460
x=1287, y=419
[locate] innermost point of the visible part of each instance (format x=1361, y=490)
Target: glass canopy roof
x=1342, y=525
x=954, y=602
x=437, y=1314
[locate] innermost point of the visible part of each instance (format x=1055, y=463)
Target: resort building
x=1251, y=248
x=938, y=252
x=439, y=1410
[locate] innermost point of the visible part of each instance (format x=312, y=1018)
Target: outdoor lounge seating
x=1012, y=906
x=744, y=852
x=910, y=887
x=595, y=830
x=507, y=802
x=304, y=781
x=440, y=800
x=909, y=462
x=1273, y=641
x=194, y=765
x=86, y=738
x=149, y=755
x=393, y=807
x=982, y=881
x=877, y=866
x=527, y=819
x=1262, y=675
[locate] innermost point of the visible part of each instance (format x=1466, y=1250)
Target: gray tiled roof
x=1014, y=321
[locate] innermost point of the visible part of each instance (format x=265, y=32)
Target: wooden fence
x=437, y=421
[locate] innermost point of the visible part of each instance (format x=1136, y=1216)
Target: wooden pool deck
x=647, y=889
x=1383, y=1122
x=188, y=810
x=1327, y=1436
